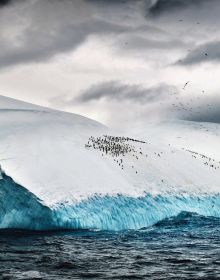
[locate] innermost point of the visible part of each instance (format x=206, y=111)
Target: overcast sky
x=117, y=61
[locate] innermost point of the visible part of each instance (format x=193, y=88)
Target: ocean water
x=183, y=247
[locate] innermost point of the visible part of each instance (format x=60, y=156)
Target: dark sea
x=184, y=247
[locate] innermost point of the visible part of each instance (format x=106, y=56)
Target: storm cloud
x=40, y=30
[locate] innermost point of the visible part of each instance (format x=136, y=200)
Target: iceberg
x=63, y=171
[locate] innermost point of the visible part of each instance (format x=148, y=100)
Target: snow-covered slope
x=61, y=170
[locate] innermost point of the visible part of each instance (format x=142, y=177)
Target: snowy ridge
x=55, y=176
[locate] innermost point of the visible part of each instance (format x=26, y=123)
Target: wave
x=21, y=209
x=188, y=220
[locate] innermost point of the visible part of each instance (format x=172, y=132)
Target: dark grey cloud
x=121, y=103
x=206, y=109
x=4, y=2
x=36, y=45
x=140, y=44
x=204, y=53
x=117, y=91
x=50, y=28
x=204, y=116
x=164, y=6
x=47, y=28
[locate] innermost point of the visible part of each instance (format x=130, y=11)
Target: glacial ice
x=21, y=209
x=121, y=212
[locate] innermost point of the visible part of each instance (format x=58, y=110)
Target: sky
x=120, y=62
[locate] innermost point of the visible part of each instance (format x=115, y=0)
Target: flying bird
x=185, y=85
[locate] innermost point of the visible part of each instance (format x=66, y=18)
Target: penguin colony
x=116, y=146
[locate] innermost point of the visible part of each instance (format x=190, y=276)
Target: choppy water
x=185, y=247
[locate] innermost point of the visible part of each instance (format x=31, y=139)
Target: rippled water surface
x=185, y=247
